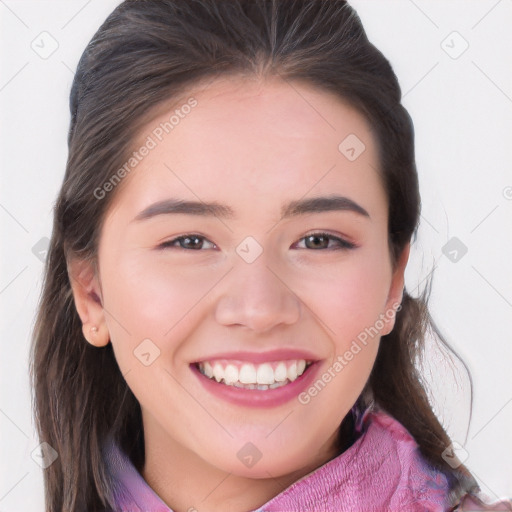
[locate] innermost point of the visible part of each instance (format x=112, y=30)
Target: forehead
x=248, y=140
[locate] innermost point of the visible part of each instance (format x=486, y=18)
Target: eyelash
x=343, y=244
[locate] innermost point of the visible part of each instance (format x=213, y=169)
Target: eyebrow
x=214, y=209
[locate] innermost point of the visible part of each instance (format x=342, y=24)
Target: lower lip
x=256, y=397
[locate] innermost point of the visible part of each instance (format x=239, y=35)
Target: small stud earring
x=94, y=329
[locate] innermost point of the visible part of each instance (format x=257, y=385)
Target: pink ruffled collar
x=382, y=470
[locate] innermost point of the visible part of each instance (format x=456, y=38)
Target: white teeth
x=230, y=374
x=280, y=372
x=265, y=374
x=291, y=371
x=262, y=376
x=247, y=374
x=208, y=370
x=218, y=372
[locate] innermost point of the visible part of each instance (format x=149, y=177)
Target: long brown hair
x=145, y=53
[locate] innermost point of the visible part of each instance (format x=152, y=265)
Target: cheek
x=150, y=301
x=348, y=296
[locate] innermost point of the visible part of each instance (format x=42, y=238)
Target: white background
x=462, y=111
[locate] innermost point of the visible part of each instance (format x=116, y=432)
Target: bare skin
x=253, y=146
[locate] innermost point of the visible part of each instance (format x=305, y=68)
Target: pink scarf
x=383, y=470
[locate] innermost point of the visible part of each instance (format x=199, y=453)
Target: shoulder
x=426, y=483
x=420, y=486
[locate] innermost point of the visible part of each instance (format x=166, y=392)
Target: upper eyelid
x=181, y=237
x=341, y=239
x=346, y=243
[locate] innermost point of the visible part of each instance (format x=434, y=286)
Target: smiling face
x=261, y=283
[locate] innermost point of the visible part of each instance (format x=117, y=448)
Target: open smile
x=260, y=382
x=262, y=376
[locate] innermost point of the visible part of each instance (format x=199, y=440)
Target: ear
x=396, y=290
x=87, y=294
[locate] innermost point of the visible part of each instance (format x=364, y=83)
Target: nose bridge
x=256, y=296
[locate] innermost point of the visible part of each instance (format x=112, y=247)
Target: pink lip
x=262, y=357
x=254, y=397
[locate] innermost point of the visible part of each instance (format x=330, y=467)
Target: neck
x=210, y=488
x=187, y=483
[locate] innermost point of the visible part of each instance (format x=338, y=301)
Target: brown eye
x=318, y=241
x=189, y=242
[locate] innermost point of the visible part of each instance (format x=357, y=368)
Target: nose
x=257, y=297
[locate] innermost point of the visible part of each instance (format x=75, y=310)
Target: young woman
x=224, y=324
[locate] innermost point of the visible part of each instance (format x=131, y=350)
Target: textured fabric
x=381, y=471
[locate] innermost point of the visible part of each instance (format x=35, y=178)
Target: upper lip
x=262, y=357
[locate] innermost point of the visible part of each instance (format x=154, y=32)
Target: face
x=247, y=324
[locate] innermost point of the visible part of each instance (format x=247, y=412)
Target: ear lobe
x=396, y=290
x=87, y=295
